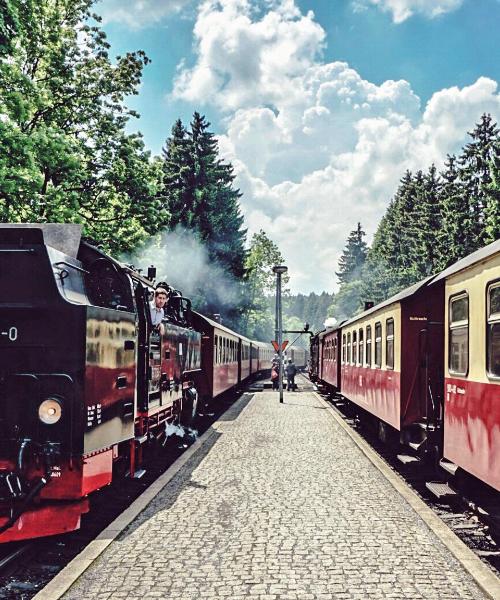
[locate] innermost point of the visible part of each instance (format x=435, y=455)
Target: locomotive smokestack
x=368, y=304
x=152, y=273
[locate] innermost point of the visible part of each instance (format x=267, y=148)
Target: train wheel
x=189, y=407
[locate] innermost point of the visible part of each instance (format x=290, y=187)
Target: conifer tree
x=353, y=256
x=178, y=177
x=452, y=239
x=428, y=215
x=492, y=200
x=201, y=196
x=474, y=167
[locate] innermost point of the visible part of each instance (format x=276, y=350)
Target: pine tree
x=474, y=167
x=353, y=256
x=492, y=199
x=428, y=217
x=201, y=196
x=452, y=240
x=178, y=177
x=202, y=200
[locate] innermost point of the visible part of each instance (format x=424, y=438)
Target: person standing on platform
x=291, y=371
x=275, y=373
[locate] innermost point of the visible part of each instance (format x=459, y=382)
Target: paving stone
x=282, y=506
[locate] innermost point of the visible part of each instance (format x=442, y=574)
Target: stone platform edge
x=482, y=575
x=68, y=576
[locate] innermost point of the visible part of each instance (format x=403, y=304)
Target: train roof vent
x=64, y=237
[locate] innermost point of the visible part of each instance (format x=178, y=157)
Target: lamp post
x=279, y=270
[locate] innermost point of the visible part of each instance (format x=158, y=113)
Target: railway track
x=473, y=514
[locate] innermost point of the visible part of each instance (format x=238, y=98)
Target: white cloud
x=139, y=13
x=404, y=9
x=316, y=148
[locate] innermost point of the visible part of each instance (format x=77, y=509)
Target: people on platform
x=157, y=308
x=275, y=374
x=291, y=371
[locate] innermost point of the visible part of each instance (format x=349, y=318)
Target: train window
x=348, y=348
x=369, y=346
x=378, y=344
x=360, y=347
x=216, y=349
x=493, y=340
x=343, y=348
x=354, y=349
x=389, y=343
x=335, y=349
x=458, y=359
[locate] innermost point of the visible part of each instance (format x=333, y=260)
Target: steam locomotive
x=86, y=380
x=424, y=366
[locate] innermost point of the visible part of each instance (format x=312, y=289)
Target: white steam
x=330, y=322
x=183, y=262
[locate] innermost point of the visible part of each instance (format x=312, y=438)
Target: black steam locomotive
x=85, y=379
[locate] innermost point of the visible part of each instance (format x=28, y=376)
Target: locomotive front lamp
x=50, y=411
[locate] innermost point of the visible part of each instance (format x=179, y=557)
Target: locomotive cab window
x=458, y=359
x=389, y=344
x=378, y=345
x=369, y=346
x=493, y=331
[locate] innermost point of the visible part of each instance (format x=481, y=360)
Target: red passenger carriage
x=472, y=364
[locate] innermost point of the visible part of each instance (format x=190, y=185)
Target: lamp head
x=280, y=269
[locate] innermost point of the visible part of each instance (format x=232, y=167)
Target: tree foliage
x=201, y=199
x=433, y=220
x=66, y=155
x=260, y=286
x=353, y=257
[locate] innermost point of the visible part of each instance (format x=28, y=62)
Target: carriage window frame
x=490, y=320
x=344, y=337
x=389, y=342
x=454, y=326
x=348, y=361
x=378, y=345
x=335, y=350
x=368, y=351
x=361, y=347
x=354, y=356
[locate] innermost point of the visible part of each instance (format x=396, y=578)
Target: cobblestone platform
x=278, y=504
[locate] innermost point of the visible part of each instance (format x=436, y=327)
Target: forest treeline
x=434, y=219
x=67, y=155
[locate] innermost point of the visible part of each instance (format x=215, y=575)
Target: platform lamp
x=279, y=270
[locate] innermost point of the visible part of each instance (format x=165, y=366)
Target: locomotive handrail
x=29, y=250
x=67, y=264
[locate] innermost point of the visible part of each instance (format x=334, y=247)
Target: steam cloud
x=183, y=262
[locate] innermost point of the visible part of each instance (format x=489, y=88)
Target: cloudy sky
x=320, y=105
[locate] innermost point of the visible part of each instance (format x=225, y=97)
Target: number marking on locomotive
x=11, y=333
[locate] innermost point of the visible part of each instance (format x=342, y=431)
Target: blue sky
x=320, y=114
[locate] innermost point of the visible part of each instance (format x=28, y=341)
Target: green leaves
x=62, y=115
x=201, y=199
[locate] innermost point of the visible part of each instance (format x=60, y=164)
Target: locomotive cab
x=67, y=377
